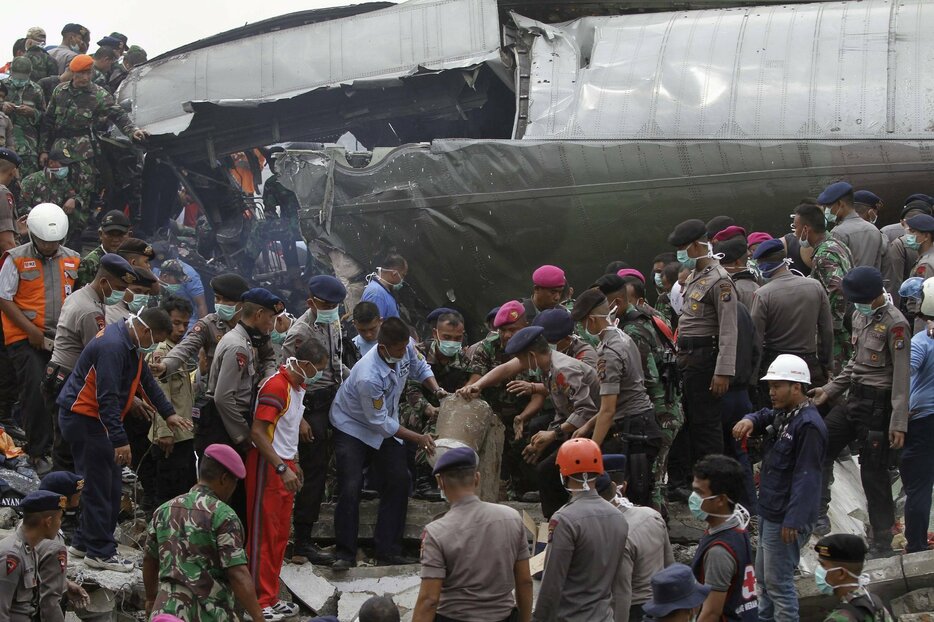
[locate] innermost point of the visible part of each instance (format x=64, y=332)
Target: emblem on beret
x=148, y=251
x=513, y=315
x=129, y=278
x=79, y=485
x=62, y=502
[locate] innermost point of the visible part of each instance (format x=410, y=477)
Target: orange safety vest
x=43, y=285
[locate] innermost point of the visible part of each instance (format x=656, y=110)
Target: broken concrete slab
x=474, y=424
x=916, y=617
x=918, y=601
x=308, y=587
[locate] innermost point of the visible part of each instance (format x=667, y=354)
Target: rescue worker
x=113, y=231
x=795, y=447
x=94, y=401
x=840, y=560
x=548, y=287
x=791, y=314
x=460, y=580
x=559, y=332
x=367, y=430
x=707, y=337
x=625, y=421
x=24, y=104
x=735, y=262
x=384, y=283
x=876, y=409
x=366, y=322
x=830, y=261
x=865, y=241
x=194, y=564
x=53, y=185
x=573, y=388
x=920, y=238
x=676, y=595
x=723, y=560
x=320, y=322
x=19, y=585
x=586, y=540
x=35, y=278
x=901, y=258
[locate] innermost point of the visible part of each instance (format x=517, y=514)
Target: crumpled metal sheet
x=412, y=37
x=830, y=70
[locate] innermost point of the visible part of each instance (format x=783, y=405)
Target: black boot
x=305, y=548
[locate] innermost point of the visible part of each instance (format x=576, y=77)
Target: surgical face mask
x=553, y=346
x=226, y=312
x=533, y=363
x=139, y=301
x=450, y=349
x=820, y=578
x=695, y=501
x=172, y=288
x=863, y=308
x=60, y=172
x=658, y=280
x=685, y=260
x=75, y=48
x=397, y=286
x=277, y=337
x=391, y=360
x=444, y=497
x=144, y=350
x=829, y=217
x=803, y=241
x=292, y=363
x=19, y=82
x=911, y=241
x=327, y=316
x=114, y=297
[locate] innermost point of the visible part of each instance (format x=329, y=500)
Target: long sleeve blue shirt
x=383, y=299
x=921, y=397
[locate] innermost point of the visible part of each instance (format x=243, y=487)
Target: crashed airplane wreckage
x=501, y=138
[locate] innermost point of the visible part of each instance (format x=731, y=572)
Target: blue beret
x=264, y=298
x=556, y=324
x=42, y=501
x=687, y=232
x=834, y=192
x=769, y=247
x=866, y=197
x=602, y=483
x=862, y=284
x=917, y=205
x=434, y=315
x=921, y=222
x=63, y=483
x=492, y=314
x=10, y=156
x=119, y=267
x=456, y=458
x=614, y=463
x=523, y=339
x=327, y=288
x=111, y=42
x=911, y=288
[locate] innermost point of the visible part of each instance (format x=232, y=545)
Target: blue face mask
x=911, y=241
x=327, y=316
x=139, y=301
x=769, y=268
x=225, y=312
x=820, y=578
x=864, y=309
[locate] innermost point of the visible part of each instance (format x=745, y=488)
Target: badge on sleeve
x=551, y=529
x=9, y=200
x=725, y=293
x=241, y=360
x=197, y=328
x=63, y=560
x=378, y=403
x=12, y=563
x=100, y=322
x=899, y=333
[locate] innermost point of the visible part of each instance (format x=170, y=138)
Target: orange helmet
x=579, y=455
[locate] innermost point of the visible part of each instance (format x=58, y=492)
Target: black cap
x=63, y=483
x=327, y=288
x=119, y=268
x=264, y=298
x=862, y=284
x=523, y=339
x=687, y=232
x=731, y=249
x=10, y=156
x=587, y=302
x=609, y=283
x=115, y=220
x=556, y=324
x=920, y=197
x=230, y=285
x=456, y=458
x=176, y=269
x=614, y=463
x=136, y=246
x=75, y=28
x=42, y=501
x=841, y=547
x=63, y=156
x=922, y=222
x=717, y=224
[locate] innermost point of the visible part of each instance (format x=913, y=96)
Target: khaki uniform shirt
x=329, y=336
x=177, y=387
x=746, y=290
x=206, y=334
x=52, y=557
x=7, y=210
x=582, y=351
x=923, y=267
x=619, y=371
x=648, y=551
x=574, y=389
x=116, y=313
x=19, y=582
x=474, y=548
x=792, y=316
x=898, y=267
x=867, y=244
x=235, y=376
x=83, y=316
x=710, y=309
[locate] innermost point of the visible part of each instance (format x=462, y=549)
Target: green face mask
x=114, y=298
x=450, y=349
x=172, y=288
x=60, y=173
x=864, y=309
x=139, y=302
x=226, y=312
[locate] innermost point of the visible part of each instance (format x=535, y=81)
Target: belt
x=710, y=341
x=867, y=392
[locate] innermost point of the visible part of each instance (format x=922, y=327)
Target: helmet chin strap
x=584, y=481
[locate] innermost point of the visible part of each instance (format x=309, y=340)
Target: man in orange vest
x=35, y=278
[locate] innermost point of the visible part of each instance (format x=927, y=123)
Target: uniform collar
x=204, y=489
x=466, y=500
x=851, y=216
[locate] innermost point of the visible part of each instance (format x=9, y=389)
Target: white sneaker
x=77, y=553
x=128, y=475
x=271, y=615
x=114, y=563
x=287, y=609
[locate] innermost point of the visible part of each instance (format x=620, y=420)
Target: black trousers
x=37, y=419
x=313, y=458
x=9, y=389
x=52, y=383
x=172, y=475
x=703, y=427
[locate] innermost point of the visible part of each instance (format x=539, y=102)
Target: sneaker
x=287, y=609
x=128, y=475
x=270, y=615
x=78, y=553
x=343, y=564
x=114, y=563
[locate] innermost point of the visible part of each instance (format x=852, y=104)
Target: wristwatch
x=281, y=468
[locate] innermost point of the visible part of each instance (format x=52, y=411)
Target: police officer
x=19, y=585
x=864, y=240
x=35, y=278
x=791, y=313
x=840, y=559
x=9, y=170
x=707, y=338
x=559, y=333
x=625, y=421
x=113, y=231
x=322, y=323
x=920, y=238
x=548, y=287
x=52, y=555
x=900, y=257
x=876, y=408
x=586, y=539
x=735, y=255
x=464, y=581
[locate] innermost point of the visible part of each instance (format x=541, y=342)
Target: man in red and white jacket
x=273, y=475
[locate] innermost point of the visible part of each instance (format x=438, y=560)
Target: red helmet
x=579, y=455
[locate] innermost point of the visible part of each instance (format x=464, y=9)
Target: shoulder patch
x=12, y=563
x=101, y=322
x=725, y=294
x=551, y=528
x=63, y=559
x=9, y=200
x=378, y=403
x=560, y=380
x=241, y=360
x=920, y=271
x=197, y=327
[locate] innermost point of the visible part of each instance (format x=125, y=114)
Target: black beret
x=115, y=220
x=75, y=28
x=163, y=250
x=264, y=298
x=862, y=284
x=456, y=458
x=63, y=483
x=834, y=192
x=609, y=283
x=523, y=339
x=614, y=463
x=327, y=288
x=556, y=324
x=136, y=246
x=62, y=156
x=432, y=317
x=587, y=302
x=687, y=232
x=920, y=197
x=732, y=249
x=10, y=156
x=119, y=268
x=145, y=276
x=717, y=224
x=922, y=222
x=769, y=248
x=917, y=206
x=42, y=501
x=841, y=547
x=229, y=285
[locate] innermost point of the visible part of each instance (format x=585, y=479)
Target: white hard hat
x=927, y=298
x=48, y=222
x=789, y=367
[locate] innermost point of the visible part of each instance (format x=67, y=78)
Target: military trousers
x=30, y=370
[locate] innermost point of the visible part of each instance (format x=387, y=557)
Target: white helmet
x=927, y=298
x=47, y=222
x=789, y=367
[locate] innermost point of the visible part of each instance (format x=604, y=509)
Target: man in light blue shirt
x=387, y=279
x=182, y=280
x=365, y=416
x=917, y=465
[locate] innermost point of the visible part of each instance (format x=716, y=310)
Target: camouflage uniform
x=67, y=125
x=664, y=308
x=6, y=132
x=90, y=264
x=26, y=126
x=847, y=612
x=659, y=366
x=831, y=261
x=43, y=65
x=196, y=538
x=40, y=187
x=99, y=78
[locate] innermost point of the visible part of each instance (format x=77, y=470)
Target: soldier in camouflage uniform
x=55, y=185
x=75, y=108
x=419, y=408
x=830, y=262
x=840, y=559
x=195, y=563
x=41, y=64
x=113, y=231
x=25, y=104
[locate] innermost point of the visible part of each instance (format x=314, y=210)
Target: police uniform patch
x=560, y=380
x=12, y=563
x=921, y=271
x=725, y=295
x=241, y=360
x=197, y=328
x=378, y=403
x=100, y=322
x=63, y=559
x=880, y=328
x=551, y=528
x=900, y=344
x=9, y=200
